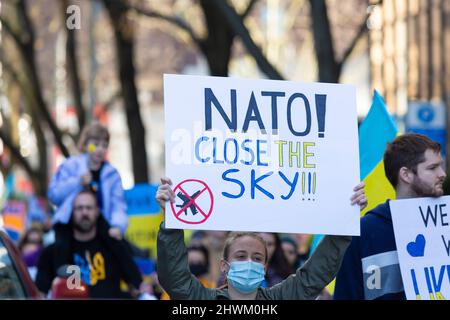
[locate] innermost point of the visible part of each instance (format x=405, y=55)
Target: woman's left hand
x=359, y=196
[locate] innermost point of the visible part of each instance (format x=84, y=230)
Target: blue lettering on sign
x=262, y=185
x=235, y=152
x=197, y=150
x=230, y=151
x=435, y=278
x=236, y=181
x=229, y=113
x=249, y=151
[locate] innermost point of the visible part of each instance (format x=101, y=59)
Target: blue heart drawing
x=417, y=248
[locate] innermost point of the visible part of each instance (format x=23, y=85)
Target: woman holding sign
x=245, y=261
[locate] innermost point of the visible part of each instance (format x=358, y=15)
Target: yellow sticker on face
x=91, y=147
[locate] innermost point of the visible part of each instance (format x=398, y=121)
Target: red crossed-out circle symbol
x=189, y=202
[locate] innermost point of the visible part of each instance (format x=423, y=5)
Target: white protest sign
x=261, y=155
x=422, y=236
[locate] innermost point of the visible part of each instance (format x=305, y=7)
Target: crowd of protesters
x=86, y=227
x=88, y=222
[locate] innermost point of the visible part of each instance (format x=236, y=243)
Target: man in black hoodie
x=102, y=260
x=370, y=270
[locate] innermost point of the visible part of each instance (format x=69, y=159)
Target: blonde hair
x=92, y=131
x=237, y=235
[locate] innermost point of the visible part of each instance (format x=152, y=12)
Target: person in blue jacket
x=370, y=269
x=90, y=169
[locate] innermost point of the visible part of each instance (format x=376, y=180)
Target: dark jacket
x=306, y=283
x=370, y=269
x=61, y=255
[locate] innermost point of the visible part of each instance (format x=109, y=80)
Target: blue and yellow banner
x=376, y=131
x=144, y=216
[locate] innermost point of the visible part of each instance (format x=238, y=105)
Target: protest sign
x=14, y=217
x=422, y=236
x=261, y=155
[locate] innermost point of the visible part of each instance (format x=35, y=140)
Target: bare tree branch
x=177, y=21
x=27, y=52
x=248, y=9
x=236, y=24
x=329, y=70
x=362, y=30
x=72, y=70
x=8, y=68
x=41, y=174
x=112, y=99
x=7, y=27
x=124, y=43
x=16, y=154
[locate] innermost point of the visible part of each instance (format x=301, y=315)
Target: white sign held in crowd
x=422, y=236
x=261, y=155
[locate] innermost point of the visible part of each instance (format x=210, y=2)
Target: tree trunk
x=218, y=44
x=123, y=32
x=24, y=39
x=235, y=23
x=329, y=68
x=18, y=89
x=72, y=71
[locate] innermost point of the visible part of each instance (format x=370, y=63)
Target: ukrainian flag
x=375, y=132
x=377, y=129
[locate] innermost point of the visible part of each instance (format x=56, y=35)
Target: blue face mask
x=245, y=276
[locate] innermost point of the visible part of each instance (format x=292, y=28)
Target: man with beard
x=102, y=260
x=370, y=270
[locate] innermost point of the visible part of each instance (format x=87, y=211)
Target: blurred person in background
x=198, y=260
x=413, y=165
x=90, y=169
x=30, y=246
x=278, y=266
x=296, y=259
x=102, y=260
x=214, y=241
x=302, y=244
x=290, y=251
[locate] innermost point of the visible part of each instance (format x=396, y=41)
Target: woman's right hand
x=165, y=193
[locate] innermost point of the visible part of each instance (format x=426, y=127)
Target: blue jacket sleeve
x=349, y=280
x=65, y=181
x=119, y=217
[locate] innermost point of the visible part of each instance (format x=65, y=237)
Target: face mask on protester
x=198, y=269
x=245, y=276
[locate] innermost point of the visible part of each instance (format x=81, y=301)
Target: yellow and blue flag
x=376, y=131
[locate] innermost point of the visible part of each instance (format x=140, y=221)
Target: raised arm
x=315, y=274
x=172, y=265
x=323, y=265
